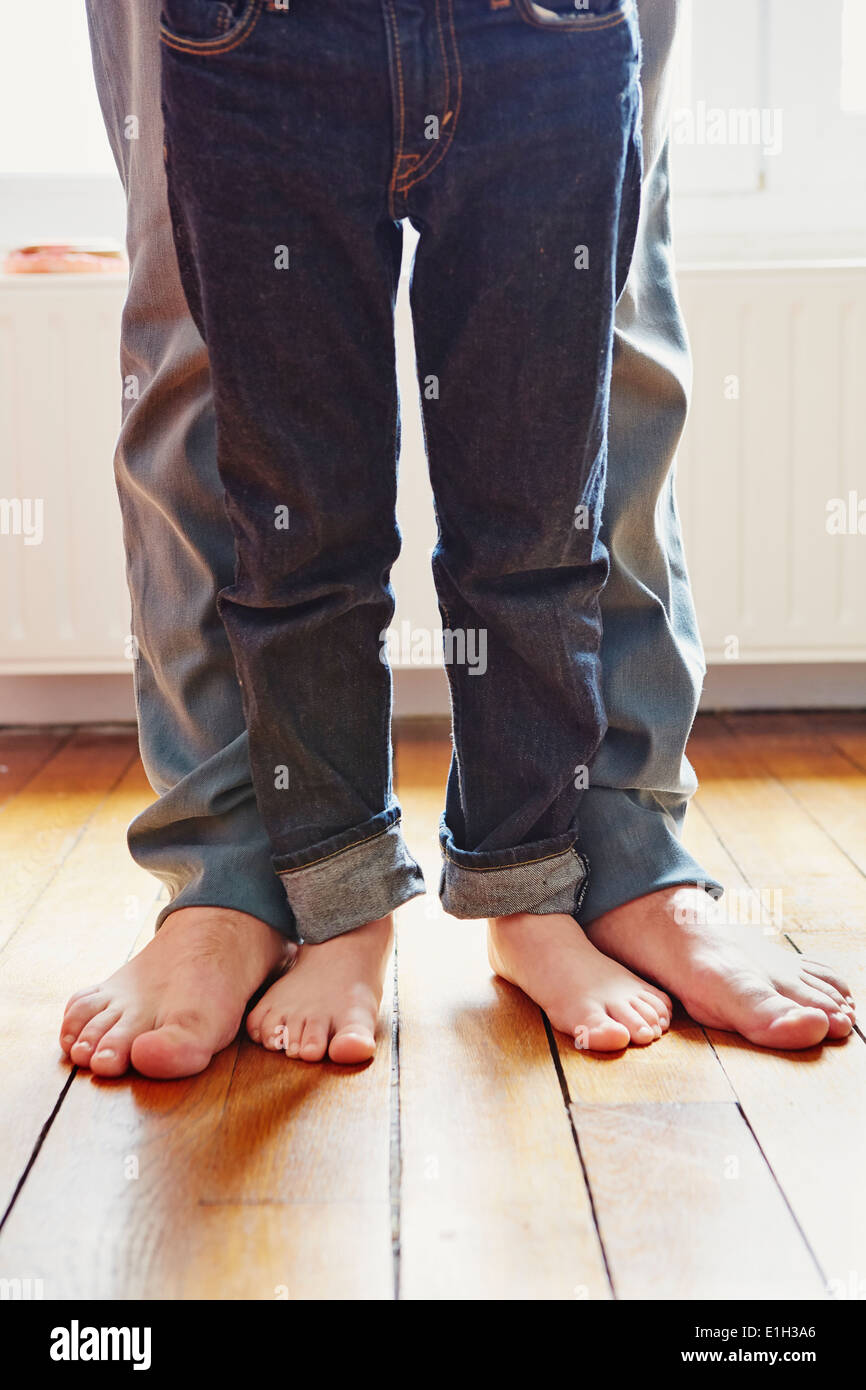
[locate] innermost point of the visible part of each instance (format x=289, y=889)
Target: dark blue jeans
x=296, y=141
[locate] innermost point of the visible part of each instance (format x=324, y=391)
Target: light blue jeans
x=204, y=837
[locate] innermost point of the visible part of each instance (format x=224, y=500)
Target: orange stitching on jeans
x=314, y=863
x=392, y=187
x=405, y=186
x=425, y=158
x=222, y=45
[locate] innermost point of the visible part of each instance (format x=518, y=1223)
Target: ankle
x=224, y=928
x=370, y=940
x=682, y=905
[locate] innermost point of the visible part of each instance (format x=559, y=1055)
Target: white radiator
x=772, y=469
x=775, y=438
x=64, y=604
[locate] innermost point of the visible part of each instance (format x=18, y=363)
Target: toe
x=111, y=1055
x=180, y=1046
x=277, y=1031
x=292, y=1032
x=261, y=1022
x=82, y=994
x=660, y=1004
x=352, y=1044
x=660, y=1001
x=85, y=1045
x=830, y=976
x=649, y=1012
x=79, y=1011
x=314, y=1040
x=780, y=1023
x=838, y=1000
x=840, y=1025
x=639, y=1030
x=354, y=1032
x=811, y=998
x=601, y=1033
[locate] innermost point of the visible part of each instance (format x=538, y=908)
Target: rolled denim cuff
x=548, y=876
x=349, y=880
x=633, y=843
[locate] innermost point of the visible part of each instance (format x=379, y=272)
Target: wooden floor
x=480, y=1156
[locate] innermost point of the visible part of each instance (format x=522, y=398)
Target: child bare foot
x=180, y=1000
x=601, y=1005
x=328, y=1002
x=727, y=977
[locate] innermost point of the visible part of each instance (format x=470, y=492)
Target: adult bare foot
x=180, y=1000
x=600, y=1004
x=328, y=1002
x=728, y=977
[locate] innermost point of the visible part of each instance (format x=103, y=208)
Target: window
x=768, y=129
x=57, y=173
x=777, y=91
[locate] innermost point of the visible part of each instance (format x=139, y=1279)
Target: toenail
x=68, y=1039
x=106, y=1053
x=292, y=1050
x=85, y=1046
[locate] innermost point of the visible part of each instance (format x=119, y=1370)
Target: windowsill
x=109, y=279
x=767, y=265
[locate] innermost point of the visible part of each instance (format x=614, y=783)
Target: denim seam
x=584, y=882
x=590, y=23
x=420, y=160
x=223, y=44
x=392, y=188
x=521, y=863
x=456, y=721
x=417, y=177
x=315, y=863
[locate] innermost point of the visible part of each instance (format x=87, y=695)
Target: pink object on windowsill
x=66, y=258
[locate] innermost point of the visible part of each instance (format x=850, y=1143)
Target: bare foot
x=180, y=1000
x=601, y=1005
x=727, y=977
x=328, y=1002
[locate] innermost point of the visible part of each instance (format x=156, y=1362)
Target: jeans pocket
x=560, y=16
x=207, y=26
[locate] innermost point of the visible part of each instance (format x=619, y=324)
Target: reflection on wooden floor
x=480, y=1156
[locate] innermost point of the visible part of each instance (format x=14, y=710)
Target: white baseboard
x=66, y=700
x=804, y=685
x=424, y=693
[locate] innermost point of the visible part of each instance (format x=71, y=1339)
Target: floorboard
x=483, y=1158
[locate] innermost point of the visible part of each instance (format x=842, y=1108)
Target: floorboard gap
x=43, y=1135
x=566, y=1100
x=396, y=1139
x=770, y=1169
